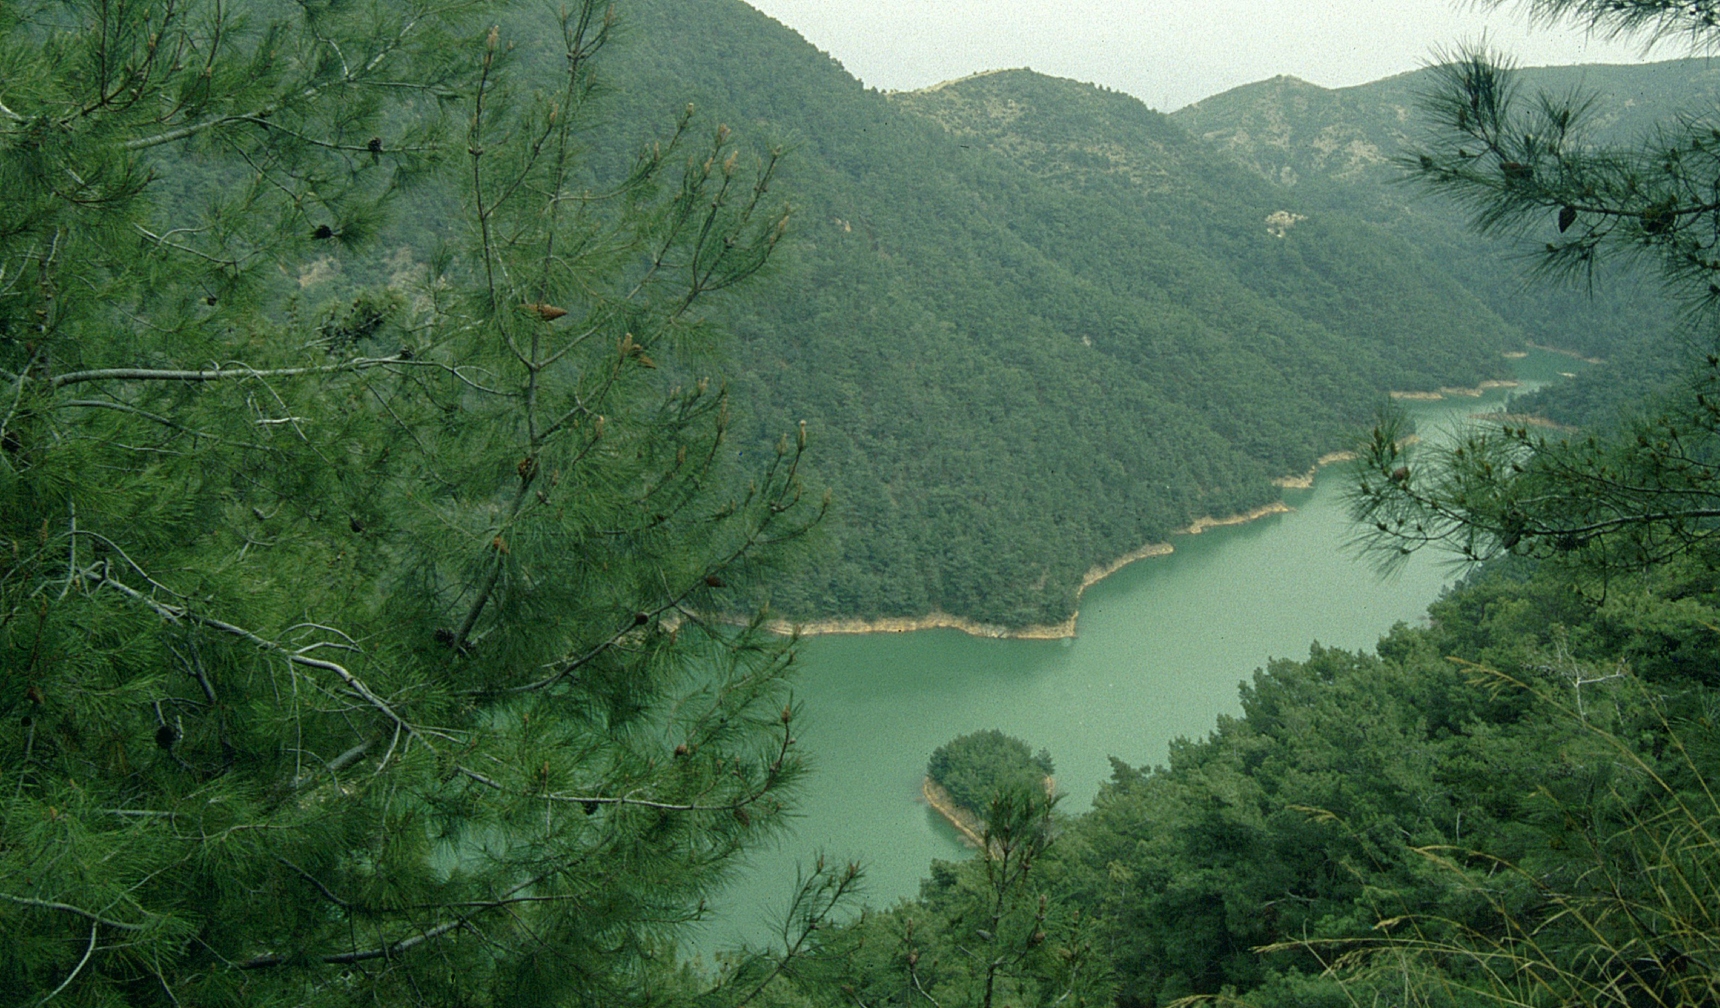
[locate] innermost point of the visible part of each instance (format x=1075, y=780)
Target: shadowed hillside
x=1021, y=356
x=1033, y=325
x=1334, y=148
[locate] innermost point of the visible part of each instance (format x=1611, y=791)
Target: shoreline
x=971, y=827
x=1469, y=393
x=1306, y=480
x=1579, y=355
x=1524, y=420
x=1482, y=388
x=936, y=620
x=966, y=823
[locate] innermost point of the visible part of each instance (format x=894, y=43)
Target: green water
x=1159, y=650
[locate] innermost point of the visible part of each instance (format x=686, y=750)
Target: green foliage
x=359, y=655
x=1512, y=805
x=984, y=933
x=1625, y=919
x=1544, y=164
x=355, y=640
x=1339, y=148
x=1630, y=922
x=1356, y=789
x=1637, y=494
x=976, y=767
x=1521, y=783
x=1021, y=349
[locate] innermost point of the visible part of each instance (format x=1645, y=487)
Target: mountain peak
x=1281, y=86
x=976, y=75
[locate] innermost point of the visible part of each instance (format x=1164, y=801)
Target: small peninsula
x=965, y=775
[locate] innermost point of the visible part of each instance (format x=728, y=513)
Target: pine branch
x=773, y=770
x=313, y=880
x=339, y=763
x=430, y=450
x=68, y=908
x=157, y=418
x=405, y=944
x=79, y=968
x=815, y=900
x=677, y=603
x=363, y=148
x=218, y=373
x=176, y=614
x=348, y=958
x=348, y=78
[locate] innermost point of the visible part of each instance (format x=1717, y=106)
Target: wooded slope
x=1028, y=343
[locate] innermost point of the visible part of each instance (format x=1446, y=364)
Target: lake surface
x=1159, y=651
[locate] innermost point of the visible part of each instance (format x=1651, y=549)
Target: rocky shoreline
x=936, y=620
x=1042, y=631
x=1306, y=480
x=965, y=822
x=971, y=827
x=1470, y=393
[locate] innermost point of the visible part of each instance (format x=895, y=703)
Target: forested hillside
x=1529, y=766
x=1336, y=149
x=1016, y=365
x=1512, y=805
x=1033, y=325
x=365, y=488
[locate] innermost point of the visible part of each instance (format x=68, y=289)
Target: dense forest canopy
x=1031, y=325
x=357, y=657
x=1514, y=804
x=976, y=767
x=368, y=482
x=1338, y=148
x=1016, y=365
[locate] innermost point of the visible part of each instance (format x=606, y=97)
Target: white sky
x=1170, y=52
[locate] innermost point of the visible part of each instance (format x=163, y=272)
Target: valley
x=593, y=505
x=988, y=282
x=1031, y=325
x=1157, y=654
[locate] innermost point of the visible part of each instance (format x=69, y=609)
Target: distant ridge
x=1027, y=348
x=976, y=75
x=1034, y=325
x=1335, y=147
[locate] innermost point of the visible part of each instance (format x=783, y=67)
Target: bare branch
x=79, y=968
x=339, y=763
x=345, y=958
x=177, y=613
x=68, y=908
x=217, y=373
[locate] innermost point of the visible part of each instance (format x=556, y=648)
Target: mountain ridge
x=1013, y=373
x=1028, y=344
x=1293, y=134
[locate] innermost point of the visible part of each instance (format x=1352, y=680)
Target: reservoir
x=1161, y=647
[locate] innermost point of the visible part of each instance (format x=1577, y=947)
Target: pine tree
x=1630, y=920
x=368, y=652
x=1529, y=167
x=994, y=930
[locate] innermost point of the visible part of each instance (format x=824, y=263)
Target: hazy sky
x=1168, y=52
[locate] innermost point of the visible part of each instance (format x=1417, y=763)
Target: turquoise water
x=1159, y=650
